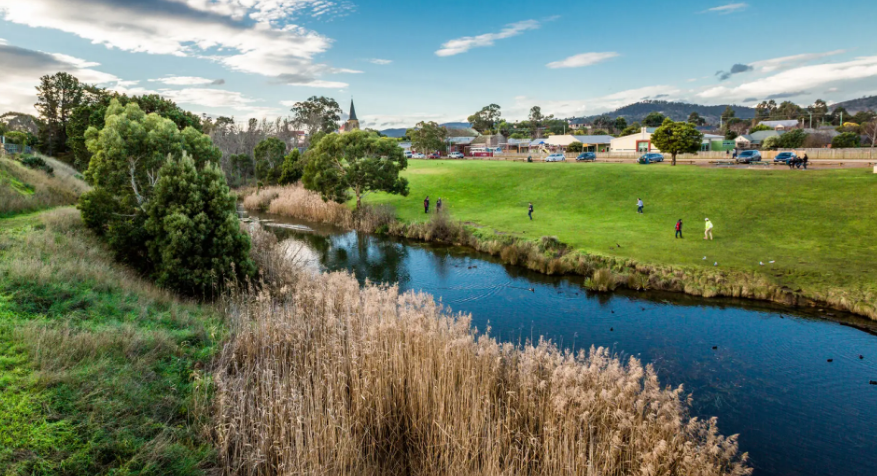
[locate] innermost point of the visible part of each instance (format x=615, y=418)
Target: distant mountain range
x=678, y=111
x=400, y=132
x=857, y=105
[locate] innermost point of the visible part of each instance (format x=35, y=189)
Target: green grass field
x=817, y=225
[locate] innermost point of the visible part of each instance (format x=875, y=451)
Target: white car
x=456, y=155
x=407, y=154
x=417, y=155
x=555, y=158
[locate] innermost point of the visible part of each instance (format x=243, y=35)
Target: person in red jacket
x=679, y=228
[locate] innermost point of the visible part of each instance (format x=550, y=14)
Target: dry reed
x=326, y=377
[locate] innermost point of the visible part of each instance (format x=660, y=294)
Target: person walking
x=530, y=211
x=426, y=204
x=438, y=205
x=805, y=160
x=735, y=154
x=679, y=228
x=708, y=230
x=639, y=205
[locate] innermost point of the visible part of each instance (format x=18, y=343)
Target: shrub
x=292, y=169
x=603, y=280
x=846, y=140
x=792, y=139
x=196, y=244
x=575, y=147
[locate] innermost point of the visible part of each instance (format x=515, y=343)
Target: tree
x=128, y=154
x=268, y=156
x=631, y=129
x=17, y=137
x=292, y=168
x=771, y=142
x=654, y=119
x=676, y=138
x=57, y=96
x=728, y=114
x=731, y=135
x=317, y=114
x=760, y=127
x=484, y=120
x=836, y=117
x=764, y=110
x=620, y=124
x=696, y=119
x=356, y=161
x=196, y=245
x=846, y=140
x=870, y=131
x=575, y=147
x=427, y=137
x=792, y=139
x=788, y=110
x=536, y=117
x=818, y=110
x=602, y=122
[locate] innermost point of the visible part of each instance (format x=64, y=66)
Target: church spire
x=352, y=112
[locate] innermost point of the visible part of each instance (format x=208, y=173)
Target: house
x=406, y=146
x=754, y=140
x=716, y=143
x=783, y=125
x=595, y=143
x=562, y=141
x=459, y=144
x=641, y=142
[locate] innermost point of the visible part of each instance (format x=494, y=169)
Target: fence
x=767, y=155
x=15, y=148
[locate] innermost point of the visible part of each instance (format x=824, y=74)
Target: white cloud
x=729, y=8
x=784, y=62
x=379, y=61
x=583, y=59
x=2, y=41
x=22, y=69
x=187, y=81
x=466, y=43
x=212, y=29
x=803, y=78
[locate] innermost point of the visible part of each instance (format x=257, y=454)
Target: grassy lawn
x=817, y=225
x=100, y=372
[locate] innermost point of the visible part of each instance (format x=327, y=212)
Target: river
x=762, y=369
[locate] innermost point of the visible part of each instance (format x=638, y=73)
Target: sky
x=407, y=61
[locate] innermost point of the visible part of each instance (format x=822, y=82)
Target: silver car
x=556, y=157
x=455, y=155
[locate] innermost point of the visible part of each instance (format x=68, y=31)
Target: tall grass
x=327, y=377
x=25, y=190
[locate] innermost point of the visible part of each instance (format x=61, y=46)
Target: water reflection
x=760, y=368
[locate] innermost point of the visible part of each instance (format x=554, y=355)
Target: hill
x=856, y=105
x=678, y=111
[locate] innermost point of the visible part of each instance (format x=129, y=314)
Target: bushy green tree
x=484, y=120
x=269, y=155
x=356, y=161
x=292, y=168
x=846, y=140
x=760, y=127
x=17, y=137
x=58, y=95
x=792, y=139
x=196, y=244
x=654, y=119
x=676, y=138
x=771, y=142
x=632, y=129
x=427, y=137
x=575, y=147
x=317, y=114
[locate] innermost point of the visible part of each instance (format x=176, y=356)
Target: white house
x=640, y=142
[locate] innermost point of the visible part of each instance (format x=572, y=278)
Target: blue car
x=584, y=156
x=649, y=158
x=785, y=157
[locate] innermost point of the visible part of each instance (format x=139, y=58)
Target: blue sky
x=408, y=61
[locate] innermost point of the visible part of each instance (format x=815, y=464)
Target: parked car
x=785, y=157
x=748, y=156
x=649, y=158
x=417, y=155
x=455, y=155
x=556, y=157
x=586, y=156
x=435, y=155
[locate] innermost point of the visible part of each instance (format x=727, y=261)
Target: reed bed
x=323, y=376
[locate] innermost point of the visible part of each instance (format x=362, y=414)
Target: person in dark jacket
x=426, y=204
x=679, y=228
x=438, y=205
x=530, y=211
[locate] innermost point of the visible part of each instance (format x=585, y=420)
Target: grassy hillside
x=25, y=190
x=100, y=372
x=817, y=225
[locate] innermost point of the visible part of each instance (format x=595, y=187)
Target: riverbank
x=837, y=277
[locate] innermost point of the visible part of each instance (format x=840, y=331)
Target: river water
x=762, y=369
